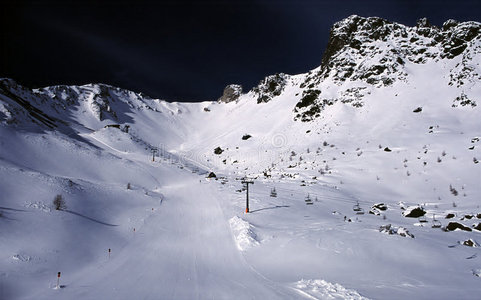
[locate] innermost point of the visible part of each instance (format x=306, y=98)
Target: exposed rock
x=218, y=150
x=389, y=229
x=470, y=243
x=449, y=24
x=380, y=206
x=246, y=137
x=270, y=87
x=455, y=225
x=375, y=51
x=232, y=92
x=211, y=175
x=477, y=272
x=417, y=110
x=450, y=216
x=414, y=212
x=463, y=100
x=477, y=226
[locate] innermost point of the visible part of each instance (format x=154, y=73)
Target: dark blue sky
x=184, y=50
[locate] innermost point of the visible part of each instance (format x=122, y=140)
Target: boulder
x=470, y=243
x=455, y=225
x=450, y=216
x=414, y=212
x=380, y=206
x=232, y=92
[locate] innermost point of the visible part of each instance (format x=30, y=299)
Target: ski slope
x=182, y=246
x=387, y=143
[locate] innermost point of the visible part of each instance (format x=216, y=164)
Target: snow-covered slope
x=390, y=116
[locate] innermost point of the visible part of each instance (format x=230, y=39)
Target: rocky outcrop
x=232, y=92
x=372, y=53
x=270, y=87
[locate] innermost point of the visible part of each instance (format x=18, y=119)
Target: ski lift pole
x=154, y=151
x=247, y=182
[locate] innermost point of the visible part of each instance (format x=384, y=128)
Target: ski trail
x=184, y=251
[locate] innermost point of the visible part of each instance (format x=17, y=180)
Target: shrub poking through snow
x=59, y=203
x=453, y=190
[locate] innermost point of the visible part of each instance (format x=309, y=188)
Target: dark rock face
x=270, y=87
x=310, y=98
x=231, y=93
x=374, y=51
x=218, y=150
x=450, y=216
x=415, y=212
x=455, y=225
x=470, y=243
x=380, y=206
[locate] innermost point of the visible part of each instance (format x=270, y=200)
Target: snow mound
x=389, y=229
x=321, y=289
x=38, y=205
x=21, y=257
x=477, y=272
x=244, y=235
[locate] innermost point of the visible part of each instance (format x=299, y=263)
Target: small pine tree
x=59, y=203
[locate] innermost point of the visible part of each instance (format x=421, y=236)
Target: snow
x=320, y=289
x=174, y=234
x=244, y=234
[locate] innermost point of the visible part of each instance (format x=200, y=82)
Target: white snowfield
x=379, y=201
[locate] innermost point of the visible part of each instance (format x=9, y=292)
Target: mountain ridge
x=343, y=158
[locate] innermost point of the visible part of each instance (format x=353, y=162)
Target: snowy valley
x=366, y=180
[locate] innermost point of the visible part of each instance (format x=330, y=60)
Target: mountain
x=386, y=128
